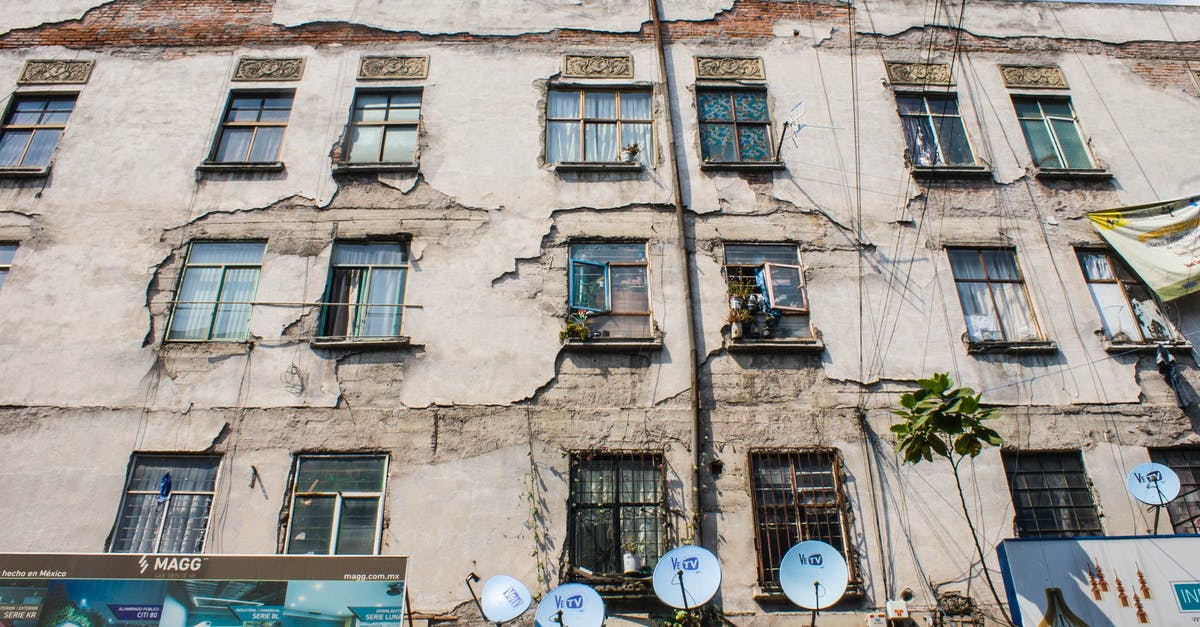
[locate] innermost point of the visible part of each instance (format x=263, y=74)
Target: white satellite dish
x=813, y=575
x=504, y=598
x=570, y=605
x=687, y=577
x=1153, y=484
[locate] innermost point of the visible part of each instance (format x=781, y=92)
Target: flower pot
x=736, y=331
x=632, y=563
x=628, y=156
x=736, y=302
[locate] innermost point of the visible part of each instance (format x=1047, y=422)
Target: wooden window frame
x=348, y=140
x=608, y=265
x=339, y=498
x=988, y=281
x=365, y=279
x=1051, y=133
x=6, y=266
x=929, y=115
x=616, y=121
x=1012, y=469
x=772, y=153
x=227, y=124
x=33, y=129
x=1117, y=265
x=175, y=302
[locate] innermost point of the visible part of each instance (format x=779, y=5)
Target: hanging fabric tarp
x=1161, y=242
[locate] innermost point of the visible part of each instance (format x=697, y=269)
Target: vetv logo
x=513, y=597
x=816, y=559
x=687, y=563
x=573, y=602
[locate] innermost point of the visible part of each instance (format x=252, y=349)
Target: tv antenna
x=1155, y=485
x=503, y=598
x=814, y=576
x=570, y=605
x=687, y=577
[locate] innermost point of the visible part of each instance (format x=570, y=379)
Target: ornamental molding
x=393, y=68
x=249, y=69
x=585, y=66
x=730, y=68
x=1033, y=76
x=919, y=73
x=51, y=72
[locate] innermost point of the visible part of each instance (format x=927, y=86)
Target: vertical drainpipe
x=685, y=255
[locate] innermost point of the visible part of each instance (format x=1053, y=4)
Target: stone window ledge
x=774, y=594
x=787, y=345
x=615, y=345
x=1014, y=348
x=344, y=167
x=1094, y=174
x=207, y=347
x=9, y=172
x=267, y=166
x=599, y=166
x=751, y=166
x=951, y=171
x=362, y=343
x=1118, y=346
x=626, y=587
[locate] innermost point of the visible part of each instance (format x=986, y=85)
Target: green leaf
x=939, y=447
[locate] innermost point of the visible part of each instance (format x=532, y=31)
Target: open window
x=609, y=281
x=767, y=293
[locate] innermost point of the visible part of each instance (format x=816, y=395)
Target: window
x=337, y=504
x=992, y=294
x=252, y=131
x=1052, y=132
x=216, y=292
x=596, y=125
x=383, y=127
x=774, y=280
x=1128, y=310
x=1051, y=494
x=32, y=129
x=366, y=290
x=734, y=125
x=166, y=504
x=797, y=496
x=7, y=252
x=609, y=280
x=934, y=131
x=617, y=500
x=1185, y=509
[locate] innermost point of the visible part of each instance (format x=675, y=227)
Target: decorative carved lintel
x=1033, y=76
x=750, y=68
x=583, y=66
x=393, y=68
x=249, y=69
x=919, y=73
x=51, y=72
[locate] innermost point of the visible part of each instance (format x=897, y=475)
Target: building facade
x=452, y=281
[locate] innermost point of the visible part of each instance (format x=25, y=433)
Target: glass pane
x=635, y=105
x=629, y=292
x=266, y=144
x=1150, y=318
x=1115, y=314
x=3, y=276
x=137, y=525
x=12, y=146
x=381, y=254
x=371, y=107
x=55, y=117
x=41, y=147
x=600, y=142
x=62, y=104
x=978, y=313
x=232, y=321
x=1057, y=108
x=1001, y=265
x=1014, y=311
x=966, y=264
x=758, y=254
x=714, y=106
x=617, y=253
x=27, y=112
x=7, y=252
x=910, y=105
x=1041, y=146
x=918, y=135
x=1071, y=143
x=235, y=144
x=750, y=106
x=956, y=149
x=244, y=110
x=588, y=288
x=1097, y=266
x=194, y=474
x=277, y=109
x=594, y=540
x=1027, y=108
x=356, y=529
x=642, y=135
x=600, y=105
x=365, y=144
x=401, y=145
x=384, y=292
x=754, y=142
x=942, y=105
x=563, y=104
x=340, y=474
x=717, y=142
x=786, y=287
x=185, y=524
x=562, y=142
x=193, y=313
x=312, y=525
x=226, y=253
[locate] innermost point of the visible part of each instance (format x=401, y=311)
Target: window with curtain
x=252, y=129
x=610, y=282
x=1128, y=309
x=934, y=131
x=991, y=291
x=32, y=128
x=366, y=289
x=735, y=125
x=595, y=125
x=617, y=500
x=216, y=292
x=797, y=496
x=1185, y=508
x=1052, y=132
x=166, y=504
x=7, y=252
x=774, y=278
x=1051, y=494
x=337, y=505
x=383, y=127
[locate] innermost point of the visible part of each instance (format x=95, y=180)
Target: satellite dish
x=687, y=577
x=813, y=575
x=504, y=598
x=570, y=605
x=1153, y=484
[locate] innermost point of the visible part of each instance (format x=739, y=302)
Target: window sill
x=616, y=345
x=774, y=594
x=599, y=166
x=616, y=586
x=362, y=343
x=11, y=172
x=1095, y=174
x=214, y=166
x=751, y=166
x=1016, y=348
x=785, y=345
x=950, y=171
x=345, y=167
x=1115, y=346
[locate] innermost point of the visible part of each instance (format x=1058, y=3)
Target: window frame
x=327, y=304
x=1040, y=337
x=187, y=263
x=6, y=266
x=768, y=124
x=1189, y=480
x=347, y=144
x=796, y=510
x=7, y=126
x=1011, y=462
x=1056, y=143
x=225, y=125
x=1118, y=264
x=576, y=459
x=339, y=498
x=744, y=272
x=616, y=121
x=608, y=283
x=930, y=116
x=166, y=505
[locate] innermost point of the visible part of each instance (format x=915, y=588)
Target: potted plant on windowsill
x=576, y=328
x=738, y=319
x=631, y=559
x=630, y=153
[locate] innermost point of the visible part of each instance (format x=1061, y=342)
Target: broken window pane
x=1129, y=312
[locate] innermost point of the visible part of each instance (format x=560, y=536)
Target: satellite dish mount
x=1155, y=485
